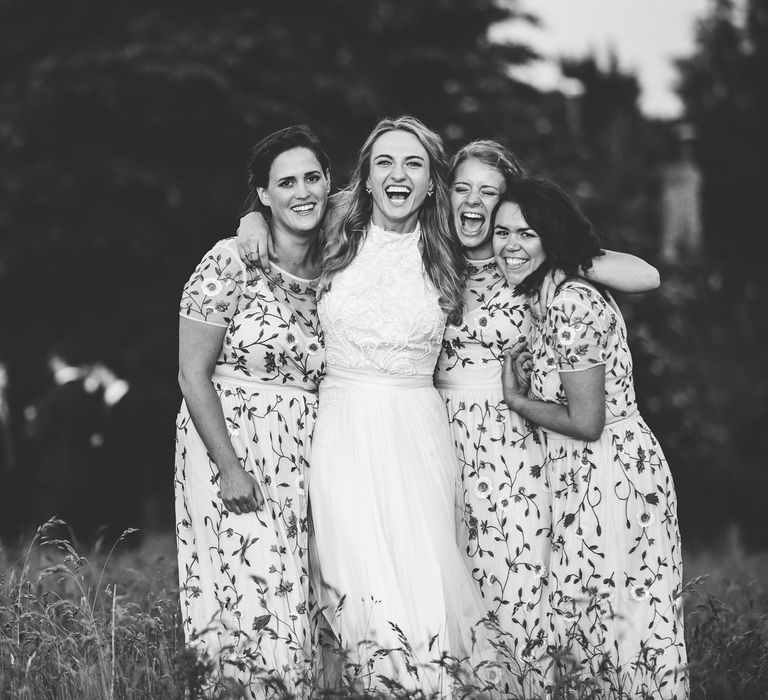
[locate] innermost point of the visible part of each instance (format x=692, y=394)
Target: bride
x=387, y=570
x=383, y=468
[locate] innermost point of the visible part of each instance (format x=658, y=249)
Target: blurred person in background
x=65, y=425
x=7, y=452
x=11, y=505
x=616, y=566
x=122, y=464
x=250, y=359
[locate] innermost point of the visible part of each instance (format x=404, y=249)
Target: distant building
x=682, y=236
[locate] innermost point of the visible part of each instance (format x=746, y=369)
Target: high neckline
x=396, y=234
x=483, y=265
x=482, y=273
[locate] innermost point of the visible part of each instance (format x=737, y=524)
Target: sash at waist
x=552, y=435
x=483, y=377
x=361, y=379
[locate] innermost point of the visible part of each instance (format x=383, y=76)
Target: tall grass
x=727, y=623
x=106, y=625
x=103, y=626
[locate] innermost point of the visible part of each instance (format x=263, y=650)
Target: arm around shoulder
x=623, y=272
x=253, y=240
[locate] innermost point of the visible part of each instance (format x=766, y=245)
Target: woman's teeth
x=303, y=208
x=397, y=193
x=515, y=262
x=472, y=222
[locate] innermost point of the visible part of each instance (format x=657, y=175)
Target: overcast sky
x=647, y=35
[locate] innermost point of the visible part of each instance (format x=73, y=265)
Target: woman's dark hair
x=269, y=148
x=567, y=236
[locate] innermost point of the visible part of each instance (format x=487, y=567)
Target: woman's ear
x=328, y=181
x=263, y=196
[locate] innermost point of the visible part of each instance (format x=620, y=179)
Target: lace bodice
x=381, y=314
x=493, y=320
x=273, y=334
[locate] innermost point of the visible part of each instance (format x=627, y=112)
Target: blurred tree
x=711, y=350
x=125, y=130
x=620, y=153
x=723, y=86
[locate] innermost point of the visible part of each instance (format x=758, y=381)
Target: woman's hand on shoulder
x=552, y=280
x=254, y=244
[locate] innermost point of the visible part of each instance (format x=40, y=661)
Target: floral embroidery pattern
x=504, y=512
x=616, y=569
x=244, y=578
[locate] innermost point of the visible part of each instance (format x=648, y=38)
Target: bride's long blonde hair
x=440, y=250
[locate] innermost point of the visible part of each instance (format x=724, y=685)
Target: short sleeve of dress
x=211, y=295
x=578, y=322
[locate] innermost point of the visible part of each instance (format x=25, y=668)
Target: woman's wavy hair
x=567, y=236
x=440, y=250
x=492, y=154
x=269, y=148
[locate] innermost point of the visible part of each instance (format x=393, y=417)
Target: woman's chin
x=474, y=242
x=513, y=277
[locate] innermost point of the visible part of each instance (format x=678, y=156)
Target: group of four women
x=331, y=521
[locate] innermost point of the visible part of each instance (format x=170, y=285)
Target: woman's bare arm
x=199, y=348
x=583, y=417
x=622, y=272
x=254, y=244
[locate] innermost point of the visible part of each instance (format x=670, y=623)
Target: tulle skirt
x=386, y=566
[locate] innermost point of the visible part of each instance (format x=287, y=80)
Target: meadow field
x=104, y=623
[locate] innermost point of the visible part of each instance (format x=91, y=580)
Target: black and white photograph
x=383, y=349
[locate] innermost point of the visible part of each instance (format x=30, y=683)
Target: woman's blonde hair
x=492, y=154
x=440, y=252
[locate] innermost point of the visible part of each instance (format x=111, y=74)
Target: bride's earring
x=430, y=190
x=368, y=189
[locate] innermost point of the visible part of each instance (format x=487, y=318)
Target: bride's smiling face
x=399, y=179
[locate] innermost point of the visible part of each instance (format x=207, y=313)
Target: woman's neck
x=405, y=226
x=298, y=254
x=481, y=252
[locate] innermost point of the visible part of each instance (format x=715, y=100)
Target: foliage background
x=125, y=130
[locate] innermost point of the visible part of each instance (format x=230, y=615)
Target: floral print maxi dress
x=244, y=578
x=504, y=510
x=616, y=569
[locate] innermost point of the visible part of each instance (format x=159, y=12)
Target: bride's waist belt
x=365, y=379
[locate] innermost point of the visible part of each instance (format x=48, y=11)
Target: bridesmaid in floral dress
x=616, y=570
x=250, y=361
x=505, y=520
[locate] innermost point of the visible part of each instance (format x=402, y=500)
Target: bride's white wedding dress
x=383, y=476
